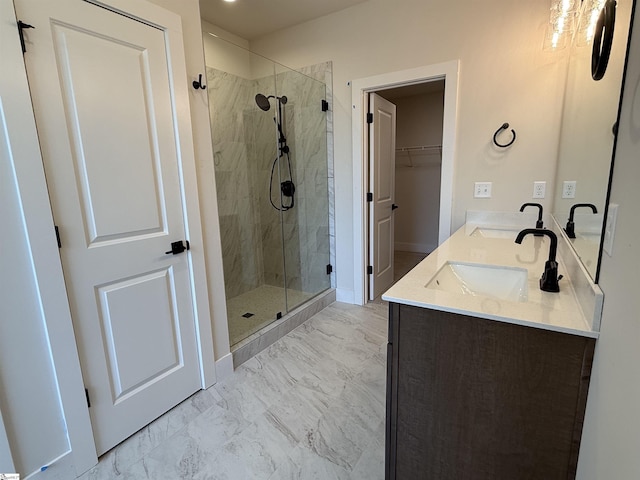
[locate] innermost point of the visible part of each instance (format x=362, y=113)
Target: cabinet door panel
x=482, y=399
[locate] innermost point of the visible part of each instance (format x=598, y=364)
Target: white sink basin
x=495, y=233
x=504, y=283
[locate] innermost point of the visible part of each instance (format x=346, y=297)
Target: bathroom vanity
x=487, y=376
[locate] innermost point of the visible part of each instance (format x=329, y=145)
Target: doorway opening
x=443, y=77
x=415, y=170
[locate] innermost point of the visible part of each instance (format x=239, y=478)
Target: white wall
x=505, y=76
x=611, y=435
x=419, y=122
x=222, y=52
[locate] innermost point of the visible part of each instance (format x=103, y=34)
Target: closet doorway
x=360, y=92
x=417, y=166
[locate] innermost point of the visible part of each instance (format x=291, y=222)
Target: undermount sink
x=494, y=233
x=504, y=283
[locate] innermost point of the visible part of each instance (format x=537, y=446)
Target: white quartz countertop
x=552, y=311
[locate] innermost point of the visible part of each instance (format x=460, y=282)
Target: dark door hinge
x=369, y=270
x=369, y=117
x=58, y=236
x=325, y=105
x=21, y=27
x=86, y=394
x=329, y=269
x=369, y=197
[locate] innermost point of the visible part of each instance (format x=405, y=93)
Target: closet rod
x=419, y=148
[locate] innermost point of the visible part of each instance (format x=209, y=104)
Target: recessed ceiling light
x=229, y=1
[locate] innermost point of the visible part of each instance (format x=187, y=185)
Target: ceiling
x=251, y=19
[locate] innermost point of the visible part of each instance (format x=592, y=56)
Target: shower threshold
x=263, y=335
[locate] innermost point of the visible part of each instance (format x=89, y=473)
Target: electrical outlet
x=482, y=190
x=539, y=189
x=569, y=189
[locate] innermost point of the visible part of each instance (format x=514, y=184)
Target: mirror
x=587, y=137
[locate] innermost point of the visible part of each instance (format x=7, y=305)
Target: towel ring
x=495, y=136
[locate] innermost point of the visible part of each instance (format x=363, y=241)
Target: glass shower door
x=305, y=226
x=244, y=146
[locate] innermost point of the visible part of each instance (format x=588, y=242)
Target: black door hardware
x=393, y=206
x=178, y=247
x=197, y=84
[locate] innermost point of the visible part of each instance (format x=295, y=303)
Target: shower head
x=263, y=101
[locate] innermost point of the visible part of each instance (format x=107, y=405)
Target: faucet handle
x=570, y=229
x=550, y=278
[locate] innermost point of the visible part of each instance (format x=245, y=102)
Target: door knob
x=178, y=247
x=394, y=206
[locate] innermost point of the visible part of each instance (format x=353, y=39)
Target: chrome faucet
x=570, y=228
x=550, y=278
x=539, y=223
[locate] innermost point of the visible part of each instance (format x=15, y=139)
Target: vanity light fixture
x=562, y=21
x=589, y=14
x=573, y=21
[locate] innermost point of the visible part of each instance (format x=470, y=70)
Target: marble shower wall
x=230, y=99
x=245, y=149
x=323, y=72
x=307, y=225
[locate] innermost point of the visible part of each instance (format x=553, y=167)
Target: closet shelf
x=420, y=148
x=420, y=151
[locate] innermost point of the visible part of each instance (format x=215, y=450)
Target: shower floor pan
x=249, y=335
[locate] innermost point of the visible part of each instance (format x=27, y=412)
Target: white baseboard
x=414, y=247
x=224, y=367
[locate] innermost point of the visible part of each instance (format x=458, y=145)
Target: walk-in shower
x=269, y=131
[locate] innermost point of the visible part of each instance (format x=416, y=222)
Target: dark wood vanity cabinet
x=475, y=399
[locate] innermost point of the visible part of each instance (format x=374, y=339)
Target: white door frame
x=46, y=259
x=359, y=90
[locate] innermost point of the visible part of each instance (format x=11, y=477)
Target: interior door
x=382, y=146
x=102, y=96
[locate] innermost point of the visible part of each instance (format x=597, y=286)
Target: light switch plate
x=610, y=229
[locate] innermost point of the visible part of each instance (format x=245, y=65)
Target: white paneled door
x=105, y=111
x=382, y=146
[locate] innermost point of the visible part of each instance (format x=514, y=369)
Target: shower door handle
x=178, y=247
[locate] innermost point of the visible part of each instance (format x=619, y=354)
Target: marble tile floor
x=309, y=407
x=405, y=261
